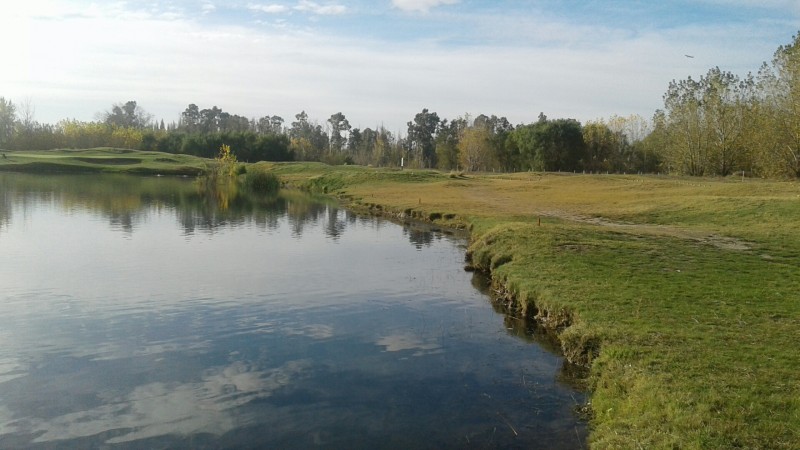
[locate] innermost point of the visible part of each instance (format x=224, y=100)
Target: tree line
x=720, y=124
x=723, y=124
x=485, y=143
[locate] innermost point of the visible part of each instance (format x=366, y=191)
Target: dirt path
x=523, y=202
x=722, y=242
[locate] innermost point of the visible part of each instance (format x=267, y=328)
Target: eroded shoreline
x=580, y=350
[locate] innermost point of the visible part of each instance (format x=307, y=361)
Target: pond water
x=137, y=313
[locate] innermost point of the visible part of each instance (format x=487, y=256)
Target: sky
x=378, y=62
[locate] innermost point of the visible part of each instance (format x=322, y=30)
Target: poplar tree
x=8, y=118
x=780, y=112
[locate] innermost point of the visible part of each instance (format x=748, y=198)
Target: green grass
x=101, y=160
x=682, y=295
x=261, y=181
x=696, y=343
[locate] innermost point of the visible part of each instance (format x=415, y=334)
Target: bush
x=262, y=182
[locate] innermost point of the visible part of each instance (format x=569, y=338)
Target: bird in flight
x=689, y=56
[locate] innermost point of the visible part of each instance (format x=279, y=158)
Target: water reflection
x=126, y=202
x=136, y=314
x=157, y=409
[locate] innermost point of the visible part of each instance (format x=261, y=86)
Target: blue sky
x=378, y=62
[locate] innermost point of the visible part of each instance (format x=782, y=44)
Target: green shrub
x=262, y=182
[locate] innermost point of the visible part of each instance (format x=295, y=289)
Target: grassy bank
x=105, y=160
x=681, y=294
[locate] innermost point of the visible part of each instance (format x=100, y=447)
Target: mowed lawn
x=106, y=160
x=681, y=294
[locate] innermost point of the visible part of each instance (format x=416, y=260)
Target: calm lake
x=137, y=313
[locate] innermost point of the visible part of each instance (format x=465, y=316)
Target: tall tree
x=127, y=115
x=601, y=144
x=421, y=137
x=727, y=101
x=355, y=140
x=190, y=118
x=233, y=123
x=780, y=85
x=210, y=120
x=300, y=127
x=707, y=121
x=385, y=153
x=550, y=145
x=650, y=147
x=504, y=156
x=686, y=133
x=634, y=127
x=263, y=125
x=26, y=112
x=339, y=124
x=308, y=140
x=447, y=138
x=475, y=148
x=8, y=117
x=276, y=124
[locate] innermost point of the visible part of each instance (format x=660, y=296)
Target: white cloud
x=38, y=8
x=269, y=9
x=208, y=8
x=778, y=5
x=316, y=8
x=420, y=5
x=530, y=65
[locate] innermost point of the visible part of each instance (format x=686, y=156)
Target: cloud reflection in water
x=406, y=341
x=157, y=409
